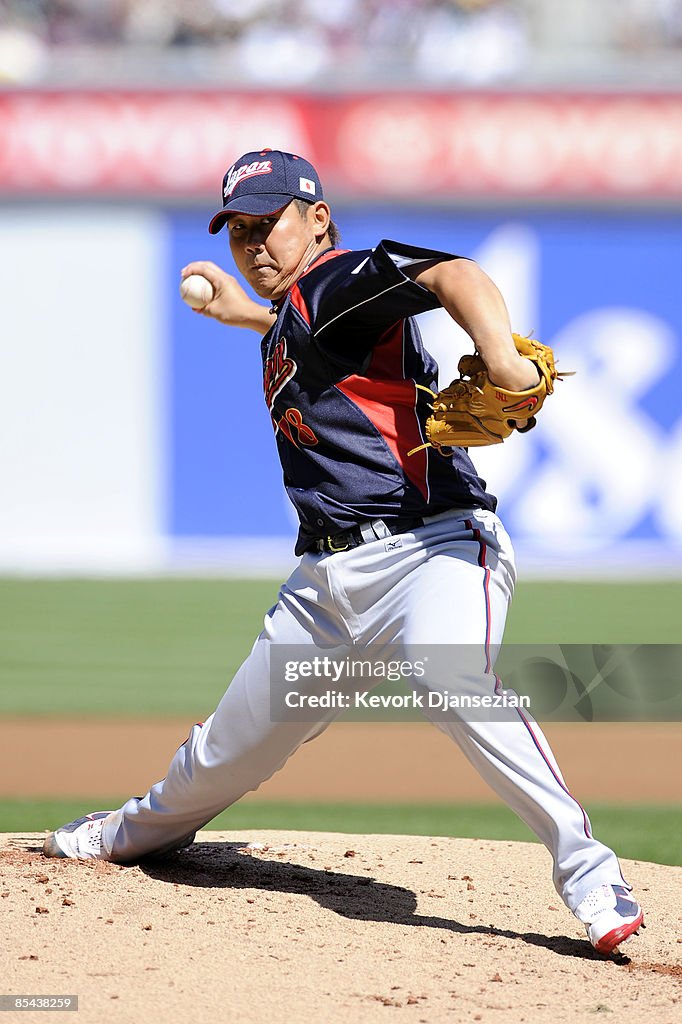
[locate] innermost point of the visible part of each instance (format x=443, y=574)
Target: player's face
x=272, y=252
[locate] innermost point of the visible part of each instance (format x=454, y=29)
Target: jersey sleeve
x=370, y=291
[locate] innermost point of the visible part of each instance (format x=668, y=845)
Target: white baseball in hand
x=196, y=291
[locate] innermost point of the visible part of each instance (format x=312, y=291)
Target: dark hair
x=333, y=231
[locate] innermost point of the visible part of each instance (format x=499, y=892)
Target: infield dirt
x=275, y=927
x=350, y=761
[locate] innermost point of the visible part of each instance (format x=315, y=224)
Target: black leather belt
x=373, y=529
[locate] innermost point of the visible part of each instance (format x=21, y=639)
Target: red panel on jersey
x=388, y=401
x=298, y=301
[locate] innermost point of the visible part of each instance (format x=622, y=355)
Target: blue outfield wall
x=604, y=465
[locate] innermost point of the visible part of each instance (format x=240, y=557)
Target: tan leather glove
x=472, y=411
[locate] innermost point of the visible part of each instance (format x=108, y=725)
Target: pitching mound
x=290, y=927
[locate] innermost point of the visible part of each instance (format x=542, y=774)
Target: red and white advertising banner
x=417, y=147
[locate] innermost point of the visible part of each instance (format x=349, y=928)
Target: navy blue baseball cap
x=261, y=183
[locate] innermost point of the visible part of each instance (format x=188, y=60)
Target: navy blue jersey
x=341, y=365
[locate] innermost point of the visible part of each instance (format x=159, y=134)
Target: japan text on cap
x=261, y=183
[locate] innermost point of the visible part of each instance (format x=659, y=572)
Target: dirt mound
x=280, y=927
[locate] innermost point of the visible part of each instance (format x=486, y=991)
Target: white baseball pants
x=450, y=582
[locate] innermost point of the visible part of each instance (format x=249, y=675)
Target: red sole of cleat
x=610, y=942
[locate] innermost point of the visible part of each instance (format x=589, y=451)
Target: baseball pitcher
x=399, y=541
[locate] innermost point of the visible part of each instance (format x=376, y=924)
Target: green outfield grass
x=639, y=832
x=162, y=647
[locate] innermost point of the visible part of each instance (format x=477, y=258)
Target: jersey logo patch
x=393, y=545
x=279, y=369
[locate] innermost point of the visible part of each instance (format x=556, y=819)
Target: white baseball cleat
x=80, y=839
x=610, y=916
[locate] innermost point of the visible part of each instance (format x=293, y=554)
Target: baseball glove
x=472, y=411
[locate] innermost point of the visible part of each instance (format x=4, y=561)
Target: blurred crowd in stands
x=338, y=43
